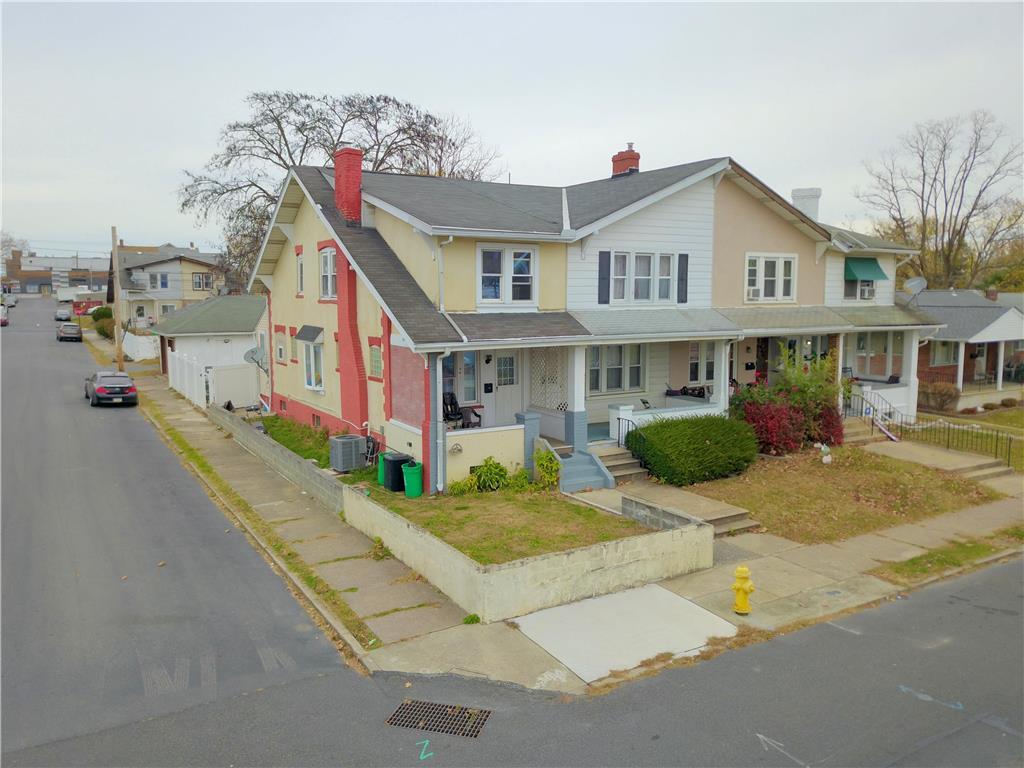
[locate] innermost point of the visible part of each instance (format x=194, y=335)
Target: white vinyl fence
x=206, y=384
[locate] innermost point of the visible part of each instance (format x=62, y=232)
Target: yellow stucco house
x=454, y=320
x=156, y=280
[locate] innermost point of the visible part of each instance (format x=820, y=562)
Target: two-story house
x=156, y=280
x=455, y=320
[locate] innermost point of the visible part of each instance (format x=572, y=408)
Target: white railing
x=628, y=414
x=206, y=384
x=186, y=376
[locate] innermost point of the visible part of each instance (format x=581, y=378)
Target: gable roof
x=221, y=314
x=966, y=314
x=855, y=242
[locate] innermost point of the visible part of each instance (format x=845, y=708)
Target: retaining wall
x=505, y=590
x=322, y=484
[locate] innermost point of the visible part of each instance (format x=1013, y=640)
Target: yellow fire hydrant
x=742, y=588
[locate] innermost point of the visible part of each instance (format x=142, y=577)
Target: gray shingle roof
x=222, y=314
x=410, y=306
x=781, y=318
x=666, y=321
x=953, y=298
x=483, y=326
x=869, y=242
x=882, y=316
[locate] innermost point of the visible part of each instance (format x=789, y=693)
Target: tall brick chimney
x=991, y=294
x=626, y=161
x=348, y=183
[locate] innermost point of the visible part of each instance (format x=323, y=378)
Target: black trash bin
x=393, y=478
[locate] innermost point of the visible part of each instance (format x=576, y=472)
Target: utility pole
x=117, y=299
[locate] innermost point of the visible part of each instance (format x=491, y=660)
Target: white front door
x=508, y=386
x=981, y=361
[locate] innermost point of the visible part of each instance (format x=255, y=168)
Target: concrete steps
x=987, y=471
x=623, y=465
x=858, y=432
x=579, y=472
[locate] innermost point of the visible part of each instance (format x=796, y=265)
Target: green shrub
x=471, y=619
x=1008, y=402
x=692, y=450
x=520, y=481
x=991, y=406
x=491, y=475
x=938, y=395
x=102, y=314
x=462, y=487
x=547, y=468
x=105, y=327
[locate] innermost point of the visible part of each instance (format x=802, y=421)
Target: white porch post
x=909, y=373
x=722, y=373
x=1001, y=345
x=960, y=365
x=576, y=414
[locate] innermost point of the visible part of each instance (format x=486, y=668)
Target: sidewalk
x=418, y=630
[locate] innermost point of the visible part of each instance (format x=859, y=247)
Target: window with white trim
x=770, y=277
x=458, y=375
x=328, y=278
x=945, y=352
x=505, y=371
x=642, y=277
x=507, y=275
x=202, y=281
x=615, y=368
x=701, y=368
x=859, y=290
x=376, y=362
x=166, y=309
x=314, y=366
x=279, y=346
x=299, y=273
x=877, y=355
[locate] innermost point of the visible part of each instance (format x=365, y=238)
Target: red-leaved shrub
x=827, y=427
x=779, y=427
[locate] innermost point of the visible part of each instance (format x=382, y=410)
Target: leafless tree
x=240, y=183
x=948, y=189
x=9, y=243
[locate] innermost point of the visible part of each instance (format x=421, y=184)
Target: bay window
x=507, y=275
x=770, y=277
x=615, y=368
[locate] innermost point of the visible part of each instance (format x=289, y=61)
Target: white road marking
x=272, y=659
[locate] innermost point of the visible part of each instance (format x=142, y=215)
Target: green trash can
x=413, y=474
x=380, y=467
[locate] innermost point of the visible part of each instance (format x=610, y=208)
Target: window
x=314, y=358
x=316, y=421
x=878, y=355
x=299, y=273
x=620, y=275
x=770, y=277
x=153, y=277
x=328, y=278
x=506, y=370
x=859, y=290
x=202, y=281
x=615, y=368
x=665, y=277
x=807, y=347
x=163, y=279
x=376, y=362
x=140, y=311
x=945, y=353
x=166, y=309
x=642, y=276
x=702, y=362
x=279, y=353
x=507, y=275
x=458, y=375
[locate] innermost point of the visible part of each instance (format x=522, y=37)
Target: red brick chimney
x=626, y=161
x=348, y=183
x=991, y=294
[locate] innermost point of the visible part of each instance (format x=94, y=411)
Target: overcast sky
x=104, y=105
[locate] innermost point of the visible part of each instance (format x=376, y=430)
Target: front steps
x=623, y=465
x=580, y=471
x=987, y=470
x=858, y=432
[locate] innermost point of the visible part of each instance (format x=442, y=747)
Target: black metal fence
x=970, y=438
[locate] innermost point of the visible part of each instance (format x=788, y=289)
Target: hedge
x=101, y=313
x=105, y=327
x=692, y=450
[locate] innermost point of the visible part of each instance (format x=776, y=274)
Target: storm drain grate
x=453, y=719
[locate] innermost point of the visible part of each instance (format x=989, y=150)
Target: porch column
x=911, y=346
x=960, y=365
x=1001, y=345
x=721, y=382
x=576, y=413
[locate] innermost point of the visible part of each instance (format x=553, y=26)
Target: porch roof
x=887, y=316
x=506, y=326
x=778, y=319
x=661, y=321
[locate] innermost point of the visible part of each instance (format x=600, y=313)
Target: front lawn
x=1010, y=418
x=307, y=442
x=997, y=427
x=956, y=554
x=506, y=525
x=802, y=499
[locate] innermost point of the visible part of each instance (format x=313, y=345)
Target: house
x=220, y=331
x=981, y=348
x=156, y=280
x=455, y=320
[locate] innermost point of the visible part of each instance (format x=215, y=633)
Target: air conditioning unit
x=753, y=294
x=348, y=452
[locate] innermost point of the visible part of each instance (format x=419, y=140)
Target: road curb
x=325, y=613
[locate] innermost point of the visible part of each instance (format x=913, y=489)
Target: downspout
x=442, y=454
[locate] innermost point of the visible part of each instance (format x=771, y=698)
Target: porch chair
x=452, y=414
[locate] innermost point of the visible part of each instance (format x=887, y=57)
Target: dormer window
x=507, y=275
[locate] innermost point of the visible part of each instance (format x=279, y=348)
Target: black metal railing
x=970, y=438
x=623, y=428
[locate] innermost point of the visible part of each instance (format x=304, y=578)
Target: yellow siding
x=403, y=439
x=368, y=319
x=412, y=248
x=460, y=275
x=552, y=276
x=288, y=309
x=742, y=225
x=504, y=444
x=187, y=268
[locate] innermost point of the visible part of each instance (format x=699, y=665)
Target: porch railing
x=969, y=438
x=971, y=381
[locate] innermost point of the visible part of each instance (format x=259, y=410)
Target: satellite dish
x=914, y=286
x=257, y=358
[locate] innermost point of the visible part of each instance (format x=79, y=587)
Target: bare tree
x=947, y=189
x=240, y=183
x=9, y=243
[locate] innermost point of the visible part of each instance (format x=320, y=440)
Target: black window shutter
x=604, y=276
x=682, y=277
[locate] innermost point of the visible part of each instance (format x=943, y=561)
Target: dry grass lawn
x=505, y=525
x=804, y=500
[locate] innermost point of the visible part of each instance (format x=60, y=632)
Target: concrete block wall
x=320, y=483
x=653, y=516
x=496, y=592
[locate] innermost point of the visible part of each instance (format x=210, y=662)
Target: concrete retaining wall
x=322, y=484
x=496, y=592
x=653, y=516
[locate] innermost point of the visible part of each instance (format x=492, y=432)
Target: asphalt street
x=934, y=679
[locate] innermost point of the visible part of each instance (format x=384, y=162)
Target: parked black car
x=111, y=387
x=69, y=332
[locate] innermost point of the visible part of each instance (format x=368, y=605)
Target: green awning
x=864, y=269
